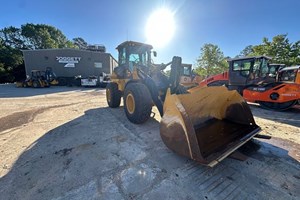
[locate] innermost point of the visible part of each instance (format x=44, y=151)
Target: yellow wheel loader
x=39, y=79
x=204, y=124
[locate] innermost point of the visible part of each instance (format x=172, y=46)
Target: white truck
x=94, y=81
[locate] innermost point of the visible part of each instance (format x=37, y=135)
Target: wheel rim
x=130, y=103
x=108, y=97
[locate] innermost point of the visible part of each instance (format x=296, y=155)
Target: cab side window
x=264, y=69
x=256, y=70
x=186, y=71
x=243, y=66
x=122, y=55
x=272, y=72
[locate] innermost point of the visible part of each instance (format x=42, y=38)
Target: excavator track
x=278, y=106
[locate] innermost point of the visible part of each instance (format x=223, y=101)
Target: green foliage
x=42, y=36
x=29, y=36
x=248, y=51
x=10, y=59
x=295, y=53
x=3, y=72
x=11, y=36
x=280, y=49
x=211, y=61
x=34, y=36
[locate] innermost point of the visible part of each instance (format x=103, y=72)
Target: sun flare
x=160, y=28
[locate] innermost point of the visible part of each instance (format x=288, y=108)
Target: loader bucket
x=207, y=124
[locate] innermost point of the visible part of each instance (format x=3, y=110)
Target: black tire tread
x=115, y=95
x=143, y=103
x=36, y=84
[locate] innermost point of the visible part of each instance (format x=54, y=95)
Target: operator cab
x=289, y=74
x=274, y=69
x=132, y=54
x=186, y=74
x=248, y=71
x=37, y=74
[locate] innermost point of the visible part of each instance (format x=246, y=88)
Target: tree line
x=28, y=37
x=212, y=60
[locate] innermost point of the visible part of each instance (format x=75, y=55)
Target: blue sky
x=230, y=24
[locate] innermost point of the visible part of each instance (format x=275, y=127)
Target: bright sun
x=160, y=28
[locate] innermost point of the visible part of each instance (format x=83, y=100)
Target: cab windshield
x=139, y=56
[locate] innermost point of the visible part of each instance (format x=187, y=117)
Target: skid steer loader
x=204, y=124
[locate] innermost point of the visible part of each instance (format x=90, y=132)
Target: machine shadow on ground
x=11, y=91
x=96, y=154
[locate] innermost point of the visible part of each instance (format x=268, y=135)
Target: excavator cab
x=204, y=124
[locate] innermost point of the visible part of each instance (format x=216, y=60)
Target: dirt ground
x=65, y=143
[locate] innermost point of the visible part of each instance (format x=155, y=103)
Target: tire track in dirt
x=20, y=118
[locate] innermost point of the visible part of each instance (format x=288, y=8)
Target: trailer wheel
x=137, y=103
x=113, y=95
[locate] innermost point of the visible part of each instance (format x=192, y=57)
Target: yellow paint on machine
x=207, y=124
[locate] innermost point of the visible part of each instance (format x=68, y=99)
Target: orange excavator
x=272, y=86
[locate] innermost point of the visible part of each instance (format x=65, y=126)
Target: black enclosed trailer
x=68, y=64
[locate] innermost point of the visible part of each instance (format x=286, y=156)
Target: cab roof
x=272, y=64
x=290, y=68
x=252, y=57
x=133, y=43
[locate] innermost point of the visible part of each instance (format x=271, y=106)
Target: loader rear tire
x=137, y=103
x=113, y=95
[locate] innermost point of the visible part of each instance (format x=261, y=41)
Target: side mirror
x=154, y=53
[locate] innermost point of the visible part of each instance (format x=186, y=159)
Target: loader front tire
x=137, y=103
x=113, y=95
